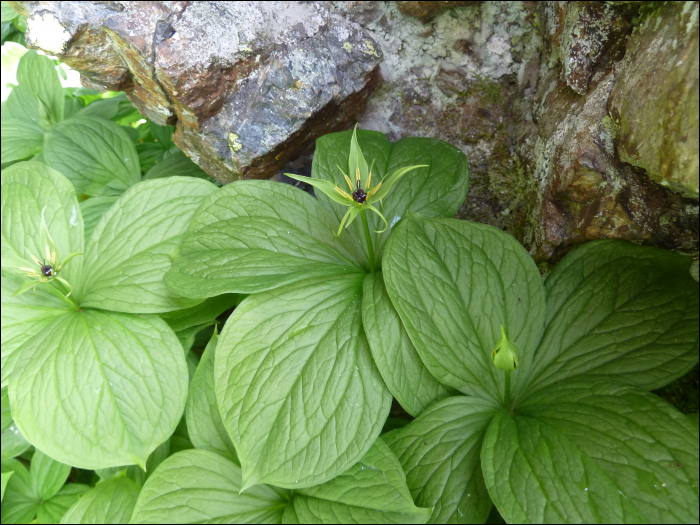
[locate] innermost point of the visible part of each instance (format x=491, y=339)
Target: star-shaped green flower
x=362, y=194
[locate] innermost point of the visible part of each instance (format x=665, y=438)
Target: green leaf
x=454, y=283
x=92, y=210
x=199, y=486
x=371, y=491
x=200, y=314
x=98, y=390
x=110, y=502
x=20, y=139
x=134, y=472
x=30, y=190
x=52, y=511
x=204, y=423
x=595, y=452
x=95, y=154
x=292, y=368
x=6, y=412
x=130, y=248
x=105, y=108
x=47, y=475
x=19, y=502
x=180, y=440
x=13, y=442
x=621, y=312
x=177, y=164
x=25, y=106
x=21, y=318
x=4, y=479
x=396, y=358
x=252, y=236
x=436, y=191
x=162, y=134
x=8, y=13
x=37, y=73
x=439, y=451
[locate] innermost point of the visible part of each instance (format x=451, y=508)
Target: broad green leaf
x=202, y=313
x=130, y=247
x=620, y=312
x=371, y=491
x=177, y=164
x=252, y=236
x=48, y=475
x=204, y=423
x=98, y=390
x=110, y=502
x=396, y=358
x=92, y=210
x=13, y=442
x=297, y=389
x=199, y=486
x=105, y=108
x=19, y=502
x=188, y=336
x=162, y=134
x=134, y=472
x=31, y=190
x=52, y=510
x=454, y=283
x=8, y=13
x=439, y=452
x=25, y=106
x=95, y=154
x=20, y=139
x=37, y=73
x=6, y=412
x=5, y=478
x=596, y=452
x=22, y=317
x=437, y=191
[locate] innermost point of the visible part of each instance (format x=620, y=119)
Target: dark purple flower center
x=47, y=270
x=359, y=195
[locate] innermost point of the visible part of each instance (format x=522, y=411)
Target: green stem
x=508, y=390
x=368, y=238
x=61, y=289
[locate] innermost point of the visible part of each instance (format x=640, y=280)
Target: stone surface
x=579, y=119
x=250, y=85
x=426, y=11
x=655, y=101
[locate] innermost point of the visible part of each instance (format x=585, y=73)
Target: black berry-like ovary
x=47, y=270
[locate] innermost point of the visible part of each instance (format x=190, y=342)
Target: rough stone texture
x=579, y=119
x=250, y=85
x=426, y=11
x=655, y=98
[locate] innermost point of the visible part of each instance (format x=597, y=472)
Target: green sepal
x=389, y=181
x=349, y=217
x=325, y=186
x=357, y=160
x=375, y=210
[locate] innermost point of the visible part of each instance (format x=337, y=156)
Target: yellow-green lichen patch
x=369, y=49
x=347, y=46
x=233, y=143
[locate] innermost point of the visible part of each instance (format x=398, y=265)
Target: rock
x=427, y=11
x=542, y=97
x=655, y=99
x=250, y=85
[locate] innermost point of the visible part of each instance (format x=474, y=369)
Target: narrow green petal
x=351, y=213
x=375, y=210
x=389, y=181
x=325, y=186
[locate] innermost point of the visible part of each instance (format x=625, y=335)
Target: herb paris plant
x=94, y=383
x=318, y=336
x=576, y=436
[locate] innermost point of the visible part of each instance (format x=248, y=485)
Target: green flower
x=506, y=356
x=362, y=195
x=47, y=269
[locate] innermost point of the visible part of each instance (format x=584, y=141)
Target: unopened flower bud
x=506, y=356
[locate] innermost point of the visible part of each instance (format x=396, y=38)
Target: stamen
x=347, y=179
x=343, y=193
x=369, y=180
x=358, y=178
x=48, y=253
